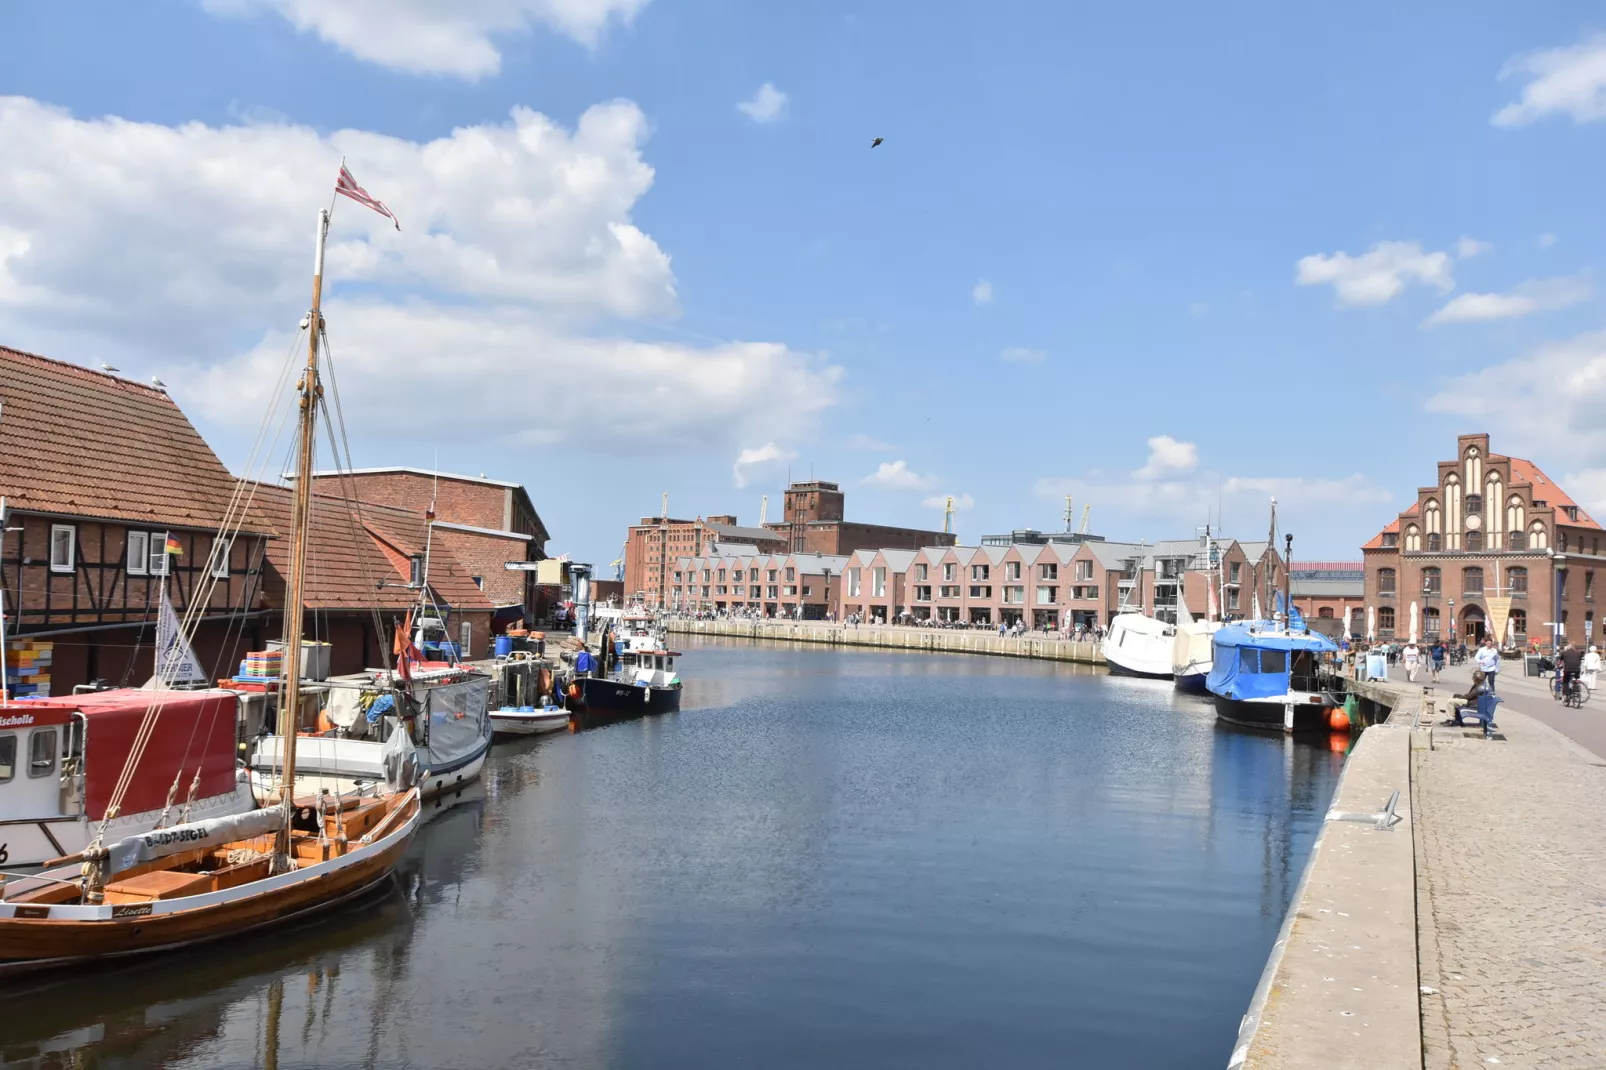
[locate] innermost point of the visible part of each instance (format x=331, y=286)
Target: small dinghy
x=529, y=720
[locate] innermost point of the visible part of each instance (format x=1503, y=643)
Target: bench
x=1482, y=710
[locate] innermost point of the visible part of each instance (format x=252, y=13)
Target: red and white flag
x=347, y=185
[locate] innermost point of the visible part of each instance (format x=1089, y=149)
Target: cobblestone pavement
x=1511, y=891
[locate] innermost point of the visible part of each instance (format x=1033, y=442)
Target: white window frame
x=222, y=550
x=71, y=531
x=465, y=639
x=158, y=553
x=139, y=563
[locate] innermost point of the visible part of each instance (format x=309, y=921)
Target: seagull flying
x=877, y=141
x=157, y=383
x=108, y=367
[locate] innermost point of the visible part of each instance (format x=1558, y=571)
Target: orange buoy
x=1338, y=719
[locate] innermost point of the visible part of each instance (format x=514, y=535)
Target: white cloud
x=180, y=250
x=982, y=292
x=1466, y=248
x=962, y=502
x=431, y=36
x=1378, y=275
x=765, y=106
x=1018, y=355
x=763, y=456
x=1546, y=240
x=896, y=475
x=1536, y=295
x=1569, y=80
x=1545, y=403
x=1168, y=457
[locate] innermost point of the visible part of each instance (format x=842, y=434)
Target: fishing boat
x=204, y=881
x=61, y=759
x=643, y=682
x=1267, y=674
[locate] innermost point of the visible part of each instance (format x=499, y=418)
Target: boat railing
x=25, y=880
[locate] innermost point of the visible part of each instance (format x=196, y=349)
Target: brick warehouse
x=812, y=523
x=1491, y=536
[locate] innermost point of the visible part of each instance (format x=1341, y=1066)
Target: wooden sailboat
x=192, y=883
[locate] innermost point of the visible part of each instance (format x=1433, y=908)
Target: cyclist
x=1571, y=664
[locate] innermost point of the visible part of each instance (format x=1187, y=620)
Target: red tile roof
x=355, y=548
x=1548, y=491
x=86, y=443
x=1393, y=528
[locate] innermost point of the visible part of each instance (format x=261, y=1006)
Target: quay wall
x=931, y=640
x=1340, y=988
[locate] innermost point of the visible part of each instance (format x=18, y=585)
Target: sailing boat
x=1138, y=644
x=207, y=880
x=1191, y=647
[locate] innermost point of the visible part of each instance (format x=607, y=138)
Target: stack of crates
x=28, y=667
x=261, y=666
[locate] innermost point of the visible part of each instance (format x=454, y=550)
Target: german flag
x=173, y=546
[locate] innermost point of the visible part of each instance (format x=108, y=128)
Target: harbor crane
x=948, y=516
x=1087, y=510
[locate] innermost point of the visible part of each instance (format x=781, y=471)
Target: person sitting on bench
x=1469, y=698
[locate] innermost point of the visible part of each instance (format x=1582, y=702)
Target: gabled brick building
x=99, y=472
x=1492, y=535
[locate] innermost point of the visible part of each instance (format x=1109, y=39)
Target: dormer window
x=415, y=571
x=1572, y=512
x=1391, y=540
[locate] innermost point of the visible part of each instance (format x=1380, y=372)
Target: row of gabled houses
x=1055, y=583
x=102, y=475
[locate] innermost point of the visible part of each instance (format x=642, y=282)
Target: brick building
x=813, y=521
x=812, y=524
x=1049, y=585
x=483, y=523
x=1493, y=545
x=1331, y=590
x=99, y=472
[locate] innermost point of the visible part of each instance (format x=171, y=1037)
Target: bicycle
x=1573, y=692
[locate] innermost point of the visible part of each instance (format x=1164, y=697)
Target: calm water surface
x=827, y=859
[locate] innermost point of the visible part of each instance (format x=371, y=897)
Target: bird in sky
x=108, y=367
x=157, y=383
x=877, y=141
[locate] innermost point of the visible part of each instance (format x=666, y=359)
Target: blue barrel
x=504, y=645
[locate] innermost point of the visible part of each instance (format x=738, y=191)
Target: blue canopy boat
x=1265, y=675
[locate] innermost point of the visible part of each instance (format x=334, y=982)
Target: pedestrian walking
x=1489, y=662
x=1412, y=657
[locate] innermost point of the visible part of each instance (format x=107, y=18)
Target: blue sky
x=1158, y=258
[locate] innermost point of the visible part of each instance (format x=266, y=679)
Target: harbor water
x=827, y=858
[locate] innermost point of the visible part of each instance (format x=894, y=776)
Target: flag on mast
x=347, y=186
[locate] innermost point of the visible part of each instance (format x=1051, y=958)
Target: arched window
x=1474, y=541
x=1385, y=620
x=1515, y=514
x=1413, y=538
x=1452, y=508
x=1326, y=612
x=1474, y=466
x=1430, y=622
x=1385, y=581
x=1493, y=519
x=1430, y=517
x=1431, y=581
x=1472, y=581
x=1561, y=542
x=1519, y=624
x=1537, y=539
x=1517, y=580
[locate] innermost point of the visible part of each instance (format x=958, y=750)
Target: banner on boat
x=159, y=843
x=175, y=658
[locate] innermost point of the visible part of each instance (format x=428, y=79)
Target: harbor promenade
x=891, y=637
x=1498, y=843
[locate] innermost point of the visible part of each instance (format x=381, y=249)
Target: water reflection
x=828, y=857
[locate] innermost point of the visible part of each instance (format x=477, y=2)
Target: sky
x=1171, y=260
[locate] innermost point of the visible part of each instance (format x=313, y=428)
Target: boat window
x=1273, y=661
x=1249, y=660
x=42, y=752
x=8, y=756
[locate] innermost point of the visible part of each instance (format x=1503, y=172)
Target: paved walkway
x=1511, y=885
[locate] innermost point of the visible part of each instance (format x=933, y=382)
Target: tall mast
x=300, y=520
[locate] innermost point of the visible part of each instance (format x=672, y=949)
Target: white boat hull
x=355, y=767
x=1137, y=645
x=515, y=723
